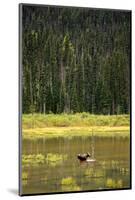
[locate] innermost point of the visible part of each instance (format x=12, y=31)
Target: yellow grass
x=106, y=131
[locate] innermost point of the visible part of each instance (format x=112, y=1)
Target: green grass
x=68, y=120
x=69, y=125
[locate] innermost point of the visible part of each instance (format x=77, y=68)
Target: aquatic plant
x=38, y=159
x=24, y=182
x=89, y=172
x=94, y=173
x=55, y=159
x=24, y=175
x=33, y=159
x=110, y=183
x=124, y=171
x=70, y=188
x=119, y=183
x=24, y=178
x=68, y=181
x=69, y=184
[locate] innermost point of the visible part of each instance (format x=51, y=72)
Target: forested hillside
x=75, y=60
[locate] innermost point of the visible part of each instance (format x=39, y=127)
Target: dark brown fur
x=83, y=157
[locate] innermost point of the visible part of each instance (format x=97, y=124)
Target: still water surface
x=110, y=171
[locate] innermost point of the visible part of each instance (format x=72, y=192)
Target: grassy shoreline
x=68, y=120
x=76, y=131
x=69, y=125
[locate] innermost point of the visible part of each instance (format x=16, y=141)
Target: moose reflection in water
x=51, y=165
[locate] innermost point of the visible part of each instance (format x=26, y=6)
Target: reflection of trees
x=104, y=174
x=115, y=166
x=110, y=173
x=93, y=173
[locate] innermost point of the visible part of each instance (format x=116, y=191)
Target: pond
x=51, y=165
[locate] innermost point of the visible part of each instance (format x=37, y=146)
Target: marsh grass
x=72, y=120
x=70, y=125
x=70, y=132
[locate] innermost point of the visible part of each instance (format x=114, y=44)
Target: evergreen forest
x=75, y=60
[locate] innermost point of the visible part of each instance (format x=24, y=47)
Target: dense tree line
x=75, y=60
